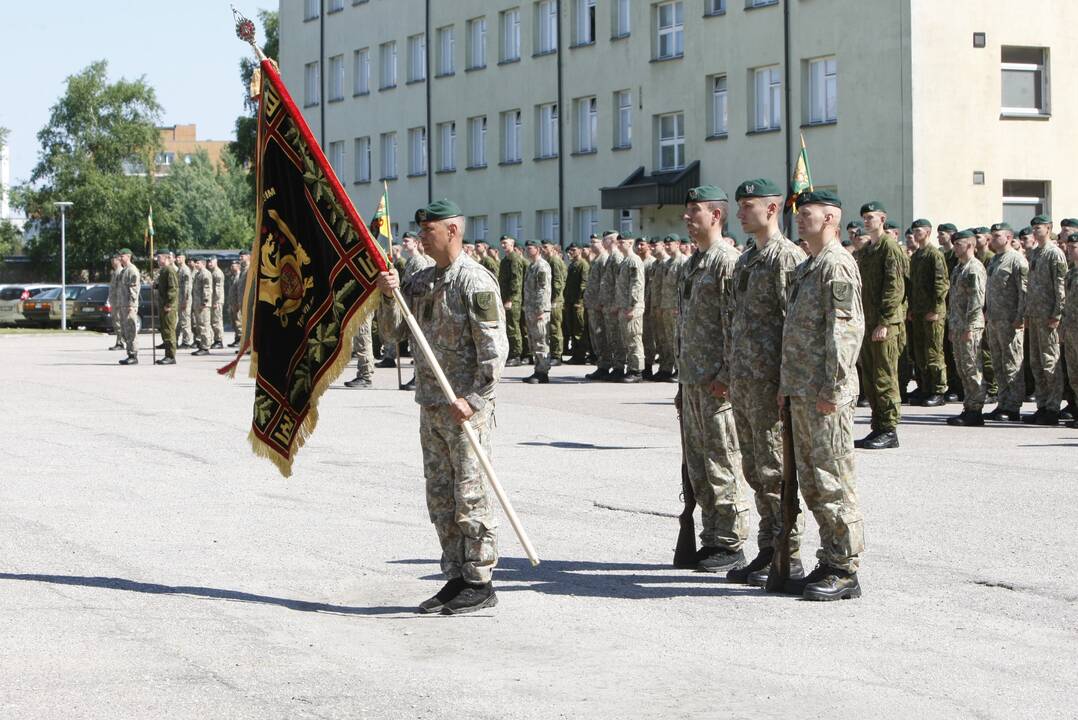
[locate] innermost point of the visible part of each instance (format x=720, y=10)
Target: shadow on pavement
x=565, y=445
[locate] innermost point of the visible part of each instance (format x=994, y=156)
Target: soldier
x=456, y=305
x=183, y=324
x=708, y=438
x=668, y=309
x=944, y=233
x=881, y=265
x=890, y=227
x=823, y=331
x=1068, y=325
x=853, y=230
x=642, y=249
x=239, y=286
x=653, y=290
x=201, y=298
x=114, y=302
x=537, y=309
x=1005, y=301
x=217, y=301
x=128, y=284
x=753, y=358
x=1044, y=309
x=965, y=319
x=629, y=304
x=483, y=255
x=929, y=282
x=615, y=345
x=593, y=304
x=511, y=283
x=558, y=271
x=168, y=288
x=363, y=349
x=576, y=288
x=469, y=248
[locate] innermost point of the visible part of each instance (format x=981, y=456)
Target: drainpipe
x=429, y=143
x=322, y=75
x=788, y=134
x=561, y=135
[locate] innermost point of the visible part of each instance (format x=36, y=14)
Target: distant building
x=179, y=143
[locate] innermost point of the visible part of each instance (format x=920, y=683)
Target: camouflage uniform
x=558, y=272
x=239, y=285
x=965, y=313
x=114, y=303
x=881, y=266
x=128, y=283
x=576, y=287
x=594, y=308
x=651, y=287
x=1005, y=305
x=753, y=359
x=820, y=341
x=183, y=326
x=668, y=304
x=201, y=297
x=168, y=287
x=363, y=347
x=217, y=306
x=1044, y=302
x=537, y=309
x=511, y=283
x=928, y=294
x=459, y=311
x=1068, y=327
x=629, y=296
x=709, y=442
x=614, y=346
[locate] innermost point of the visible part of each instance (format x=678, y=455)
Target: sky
x=186, y=49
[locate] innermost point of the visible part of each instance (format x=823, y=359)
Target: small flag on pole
x=380, y=225
x=148, y=235
x=802, y=177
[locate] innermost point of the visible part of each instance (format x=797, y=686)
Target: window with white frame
x=760, y=3
x=622, y=20
x=361, y=72
x=335, y=5
x=587, y=125
x=417, y=151
x=447, y=141
x=626, y=222
x=672, y=141
x=547, y=132
x=511, y=136
x=477, y=43
x=1023, y=199
x=623, y=119
x=477, y=142
x=446, y=47
x=312, y=84
x=389, y=156
x=388, y=58
x=477, y=228
x=585, y=223
x=549, y=225
x=720, y=107
x=767, y=98
x=336, y=78
x=583, y=22
x=823, y=90
x=1025, y=81
x=714, y=7
x=513, y=225
x=362, y=159
x=311, y=9
x=336, y=158
x=510, y=34
x=546, y=25
x=417, y=58
x=669, y=30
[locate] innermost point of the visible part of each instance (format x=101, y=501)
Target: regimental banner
x=311, y=281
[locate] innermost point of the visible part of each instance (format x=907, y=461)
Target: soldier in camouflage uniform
x=653, y=291
x=593, y=304
x=929, y=282
x=751, y=372
x=1068, y=326
x=217, y=303
x=363, y=349
x=709, y=442
x=1044, y=309
x=576, y=287
x=615, y=344
x=114, y=301
x=168, y=290
x=457, y=306
x=944, y=233
x=483, y=255
x=1005, y=309
x=239, y=286
x=643, y=250
x=537, y=308
x=668, y=309
x=629, y=304
x=511, y=284
x=201, y=298
x=558, y=272
x=183, y=323
x=128, y=284
x=965, y=320
x=820, y=341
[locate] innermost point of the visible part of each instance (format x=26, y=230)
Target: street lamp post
x=63, y=205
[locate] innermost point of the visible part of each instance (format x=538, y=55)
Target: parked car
x=45, y=309
x=12, y=298
x=92, y=309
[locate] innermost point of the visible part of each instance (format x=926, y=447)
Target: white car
x=12, y=297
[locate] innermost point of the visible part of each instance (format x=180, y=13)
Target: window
x=583, y=22
x=510, y=32
x=361, y=81
x=760, y=3
x=336, y=158
x=512, y=225
x=672, y=141
x=446, y=46
x=714, y=7
x=585, y=223
x=311, y=9
x=417, y=151
x=164, y=158
x=312, y=84
x=389, y=156
x=363, y=159
x=477, y=43
x=626, y=222
x=823, y=90
x=478, y=226
x=549, y=225
x=417, y=58
x=670, y=30
x=767, y=99
x=1022, y=199
x=447, y=140
x=477, y=142
x=621, y=20
x=388, y=57
x=511, y=136
x=546, y=26
x=623, y=120
x=547, y=131
x=720, y=107
x=1025, y=81
x=336, y=78
x=335, y=5
x=587, y=125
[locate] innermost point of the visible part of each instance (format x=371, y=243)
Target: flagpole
x=389, y=257
x=153, y=291
x=808, y=170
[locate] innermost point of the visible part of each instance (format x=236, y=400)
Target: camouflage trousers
x=129, y=329
x=1005, y=344
x=1044, y=357
x=926, y=346
x=537, y=330
x=217, y=322
x=599, y=339
x=649, y=338
x=823, y=449
x=183, y=327
x=967, y=358
x=615, y=346
x=880, y=362
x=667, y=331
x=201, y=320
x=713, y=457
x=556, y=344
x=759, y=433
x=632, y=338
x=1069, y=342
x=364, y=350
x=458, y=500
x=117, y=326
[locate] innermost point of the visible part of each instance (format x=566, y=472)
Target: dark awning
x=641, y=189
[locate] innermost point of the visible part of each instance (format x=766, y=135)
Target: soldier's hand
x=629, y=314
x=461, y=410
x=1053, y=323
x=823, y=407
x=932, y=317
x=388, y=281
x=879, y=334
x=508, y=304
x=719, y=390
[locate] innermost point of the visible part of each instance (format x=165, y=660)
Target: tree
x=10, y=239
x=200, y=206
x=243, y=148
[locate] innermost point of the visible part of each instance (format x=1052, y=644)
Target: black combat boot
x=449, y=591
x=471, y=598
x=835, y=584
x=358, y=382
x=1033, y=419
x=759, y=578
x=932, y=401
x=537, y=378
x=130, y=360
x=167, y=360
x=632, y=377
x=761, y=562
x=999, y=414
x=871, y=436
x=719, y=560
x=1049, y=418
x=967, y=418
x=513, y=362
x=884, y=440
x=616, y=375
x=598, y=375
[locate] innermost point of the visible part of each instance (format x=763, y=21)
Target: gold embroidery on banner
x=283, y=281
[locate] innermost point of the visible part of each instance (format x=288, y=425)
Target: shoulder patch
x=486, y=309
x=842, y=292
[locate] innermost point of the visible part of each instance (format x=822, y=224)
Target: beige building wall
x=179, y=141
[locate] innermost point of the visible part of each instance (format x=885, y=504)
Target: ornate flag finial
x=245, y=28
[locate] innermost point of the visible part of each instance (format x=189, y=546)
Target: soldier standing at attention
x=128, y=284
x=653, y=291
x=881, y=264
x=168, y=289
x=363, y=349
x=217, y=302
x=576, y=287
x=239, y=285
x=708, y=437
x=183, y=324
x=558, y=271
x=853, y=230
x=482, y=251
x=944, y=233
x=511, y=283
x=1069, y=322
x=642, y=249
x=1044, y=309
x=201, y=297
x=823, y=331
x=753, y=357
x=929, y=282
x=965, y=318
x=456, y=305
x=629, y=301
x=593, y=305
x=668, y=309
x=1005, y=309
x=615, y=346
x=537, y=307
x=114, y=301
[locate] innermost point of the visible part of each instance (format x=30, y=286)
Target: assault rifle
x=779, y=574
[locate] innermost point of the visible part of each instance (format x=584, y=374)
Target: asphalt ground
x=152, y=566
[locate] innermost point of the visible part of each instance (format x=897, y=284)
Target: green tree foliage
x=200, y=206
x=10, y=239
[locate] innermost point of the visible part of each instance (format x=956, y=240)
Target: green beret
x=438, y=210
x=819, y=197
x=760, y=187
x=963, y=235
x=408, y=235
x=609, y=232
x=1025, y=231
x=846, y=242
x=532, y=243
x=982, y=230
x=655, y=240
x=921, y=223
x=467, y=242
x=641, y=239
x=1072, y=238
x=1069, y=222
x=124, y=251
x=548, y=242
x=673, y=237
x=1041, y=220
x=855, y=225
x=595, y=236
x=874, y=206
x=581, y=245
x=705, y=193
x=947, y=227
x=1002, y=226
x=890, y=225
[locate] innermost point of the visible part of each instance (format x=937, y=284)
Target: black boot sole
x=845, y=594
x=487, y=603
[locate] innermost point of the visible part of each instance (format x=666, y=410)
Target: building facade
x=553, y=119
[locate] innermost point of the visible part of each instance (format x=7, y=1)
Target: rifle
x=779, y=574
x=685, y=552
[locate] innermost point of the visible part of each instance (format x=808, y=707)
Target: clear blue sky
x=186, y=49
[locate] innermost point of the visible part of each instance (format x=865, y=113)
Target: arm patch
x=486, y=310
x=842, y=293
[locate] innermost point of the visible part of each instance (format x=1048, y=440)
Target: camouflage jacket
x=1005, y=296
x=629, y=287
x=413, y=265
x=537, y=282
x=825, y=324
x=653, y=282
x=168, y=288
x=882, y=265
x=128, y=282
x=576, y=282
x=1069, y=322
x=114, y=286
x=511, y=277
x=703, y=305
x=758, y=309
x=671, y=281
x=490, y=264
x=1047, y=275
x=184, y=274
x=929, y=281
x=218, y=286
x=239, y=285
x=558, y=271
x=459, y=312
x=609, y=280
x=965, y=306
x=201, y=288
x=595, y=279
